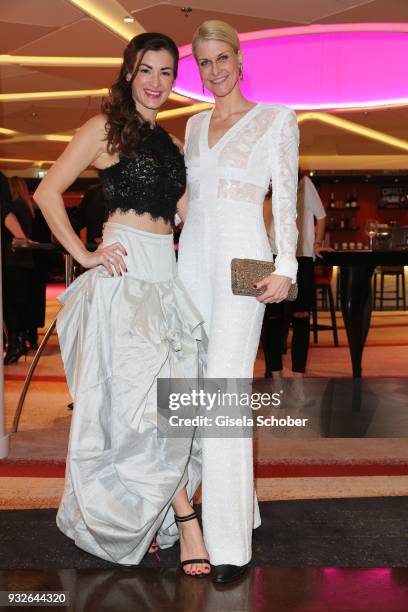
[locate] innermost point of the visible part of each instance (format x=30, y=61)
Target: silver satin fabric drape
x=117, y=335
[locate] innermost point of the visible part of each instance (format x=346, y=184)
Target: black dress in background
x=18, y=268
x=5, y=207
x=91, y=213
x=94, y=212
x=42, y=264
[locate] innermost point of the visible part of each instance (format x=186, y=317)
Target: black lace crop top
x=152, y=182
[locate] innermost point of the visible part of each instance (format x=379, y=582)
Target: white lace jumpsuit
x=227, y=184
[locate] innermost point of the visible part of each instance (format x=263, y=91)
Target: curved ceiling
x=317, y=67
x=66, y=53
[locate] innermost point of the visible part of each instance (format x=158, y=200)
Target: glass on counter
x=371, y=230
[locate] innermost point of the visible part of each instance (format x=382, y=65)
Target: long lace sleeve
x=284, y=148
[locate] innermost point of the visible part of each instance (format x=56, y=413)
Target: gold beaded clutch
x=246, y=272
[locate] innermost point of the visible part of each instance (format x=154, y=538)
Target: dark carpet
x=367, y=532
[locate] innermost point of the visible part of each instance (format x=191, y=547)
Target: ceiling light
x=75, y=94
x=353, y=56
x=128, y=19
x=7, y=131
x=186, y=110
x=54, y=95
x=19, y=160
x=355, y=128
x=22, y=137
x=354, y=162
x=51, y=60
x=111, y=15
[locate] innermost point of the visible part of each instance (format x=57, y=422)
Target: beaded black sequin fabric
x=152, y=182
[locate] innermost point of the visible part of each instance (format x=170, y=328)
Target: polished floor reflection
x=337, y=407
x=262, y=589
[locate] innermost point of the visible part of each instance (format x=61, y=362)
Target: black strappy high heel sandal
x=183, y=519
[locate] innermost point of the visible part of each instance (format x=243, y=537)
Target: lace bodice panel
x=150, y=182
x=262, y=147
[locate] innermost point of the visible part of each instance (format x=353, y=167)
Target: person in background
x=274, y=329
x=5, y=197
x=92, y=213
x=17, y=270
x=7, y=216
x=40, y=232
x=42, y=265
x=6, y=212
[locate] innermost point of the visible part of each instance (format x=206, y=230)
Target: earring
x=241, y=73
x=202, y=85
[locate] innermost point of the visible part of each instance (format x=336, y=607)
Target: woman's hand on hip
x=276, y=288
x=109, y=256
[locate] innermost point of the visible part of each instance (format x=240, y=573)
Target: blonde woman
x=232, y=153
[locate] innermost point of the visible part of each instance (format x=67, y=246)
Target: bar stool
x=323, y=277
x=398, y=273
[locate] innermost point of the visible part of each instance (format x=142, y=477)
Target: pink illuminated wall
x=315, y=67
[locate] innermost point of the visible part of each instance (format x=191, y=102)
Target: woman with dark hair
x=127, y=322
x=18, y=268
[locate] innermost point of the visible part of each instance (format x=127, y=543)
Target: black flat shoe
x=183, y=519
x=228, y=573
x=15, y=349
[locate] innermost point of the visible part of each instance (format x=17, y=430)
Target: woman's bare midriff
x=142, y=222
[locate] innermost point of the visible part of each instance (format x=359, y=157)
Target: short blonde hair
x=213, y=29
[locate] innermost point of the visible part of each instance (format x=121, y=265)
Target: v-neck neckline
x=229, y=131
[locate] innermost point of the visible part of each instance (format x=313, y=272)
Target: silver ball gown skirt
x=117, y=336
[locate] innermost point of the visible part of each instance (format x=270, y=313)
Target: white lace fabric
x=227, y=185
x=260, y=148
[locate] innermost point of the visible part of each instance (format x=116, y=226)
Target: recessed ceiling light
x=128, y=19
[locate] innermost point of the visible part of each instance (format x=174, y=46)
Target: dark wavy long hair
x=125, y=126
